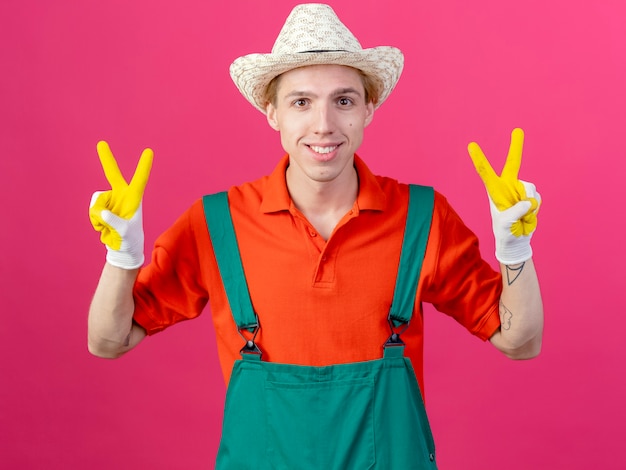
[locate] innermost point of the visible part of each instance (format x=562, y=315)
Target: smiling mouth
x=323, y=150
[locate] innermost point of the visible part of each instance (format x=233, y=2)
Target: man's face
x=320, y=112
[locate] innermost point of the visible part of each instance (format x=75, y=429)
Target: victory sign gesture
x=116, y=213
x=514, y=203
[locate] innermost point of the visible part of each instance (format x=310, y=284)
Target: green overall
x=363, y=415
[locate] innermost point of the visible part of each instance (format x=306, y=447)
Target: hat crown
x=312, y=28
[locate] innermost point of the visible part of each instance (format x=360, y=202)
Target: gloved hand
x=116, y=213
x=514, y=203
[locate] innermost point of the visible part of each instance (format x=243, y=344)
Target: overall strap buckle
x=394, y=339
x=250, y=348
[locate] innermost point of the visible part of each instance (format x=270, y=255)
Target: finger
x=534, y=204
x=482, y=165
x=110, y=234
x=142, y=172
x=94, y=198
x=519, y=210
x=109, y=165
x=514, y=158
x=100, y=200
x=528, y=223
x=531, y=194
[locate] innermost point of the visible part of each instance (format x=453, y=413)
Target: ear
x=270, y=112
x=369, y=114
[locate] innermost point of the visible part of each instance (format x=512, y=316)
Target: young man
x=317, y=299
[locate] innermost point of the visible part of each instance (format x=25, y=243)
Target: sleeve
x=172, y=287
x=460, y=283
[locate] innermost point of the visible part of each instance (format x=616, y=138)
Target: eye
x=300, y=103
x=344, y=101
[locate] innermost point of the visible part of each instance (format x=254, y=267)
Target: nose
x=323, y=121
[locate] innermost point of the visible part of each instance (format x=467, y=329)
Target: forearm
x=521, y=312
x=111, y=331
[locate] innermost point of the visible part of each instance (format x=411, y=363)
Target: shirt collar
x=276, y=196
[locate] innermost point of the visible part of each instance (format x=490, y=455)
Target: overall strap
x=416, y=231
x=222, y=233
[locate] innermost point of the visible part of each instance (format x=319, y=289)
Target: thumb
x=519, y=210
x=111, y=219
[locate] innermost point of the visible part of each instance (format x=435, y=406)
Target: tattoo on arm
x=513, y=273
x=505, y=317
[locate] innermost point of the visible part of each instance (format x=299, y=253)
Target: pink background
x=155, y=73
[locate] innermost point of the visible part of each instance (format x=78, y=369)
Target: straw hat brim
x=252, y=73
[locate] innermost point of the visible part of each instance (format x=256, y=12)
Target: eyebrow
x=346, y=91
x=338, y=92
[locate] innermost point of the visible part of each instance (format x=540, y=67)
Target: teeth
x=323, y=149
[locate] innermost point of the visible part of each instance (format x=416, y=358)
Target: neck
x=324, y=203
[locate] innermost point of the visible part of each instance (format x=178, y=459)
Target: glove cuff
x=515, y=253
x=124, y=259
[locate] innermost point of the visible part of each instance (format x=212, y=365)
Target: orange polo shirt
x=318, y=302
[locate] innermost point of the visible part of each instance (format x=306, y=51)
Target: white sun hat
x=313, y=35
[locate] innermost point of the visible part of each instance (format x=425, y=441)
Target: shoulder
x=397, y=195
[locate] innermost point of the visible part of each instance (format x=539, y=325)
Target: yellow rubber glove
x=514, y=202
x=116, y=213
